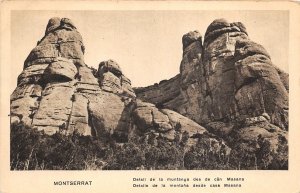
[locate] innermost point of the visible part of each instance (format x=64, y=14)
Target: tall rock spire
x=58, y=91
x=228, y=84
x=227, y=78
x=61, y=40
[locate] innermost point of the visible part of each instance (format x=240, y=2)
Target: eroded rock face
x=180, y=93
x=226, y=79
x=217, y=77
x=259, y=87
x=219, y=73
x=164, y=123
x=255, y=130
x=162, y=94
x=227, y=83
x=57, y=91
x=112, y=80
x=61, y=70
x=61, y=40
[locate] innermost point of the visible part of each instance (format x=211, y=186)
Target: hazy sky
x=146, y=44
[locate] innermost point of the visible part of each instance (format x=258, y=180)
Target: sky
x=146, y=44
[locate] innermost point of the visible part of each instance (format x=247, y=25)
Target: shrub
x=34, y=150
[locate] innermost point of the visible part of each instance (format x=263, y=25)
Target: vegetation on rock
x=34, y=150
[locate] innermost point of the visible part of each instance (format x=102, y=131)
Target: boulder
x=111, y=79
x=166, y=123
x=148, y=117
x=183, y=123
x=67, y=23
x=32, y=74
x=109, y=66
x=42, y=54
x=53, y=24
x=61, y=70
x=190, y=38
x=111, y=83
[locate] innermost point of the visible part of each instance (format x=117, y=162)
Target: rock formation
x=227, y=87
x=58, y=92
x=224, y=80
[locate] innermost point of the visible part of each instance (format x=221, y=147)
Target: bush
x=207, y=154
x=34, y=150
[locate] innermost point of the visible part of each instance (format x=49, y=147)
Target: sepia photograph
x=223, y=104
x=149, y=96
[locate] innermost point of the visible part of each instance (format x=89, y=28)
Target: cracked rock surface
x=227, y=86
x=223, y=81
x=58, y=92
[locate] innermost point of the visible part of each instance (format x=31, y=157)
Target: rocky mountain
x=58, y=91
x=227, y=89
x=225, y=81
